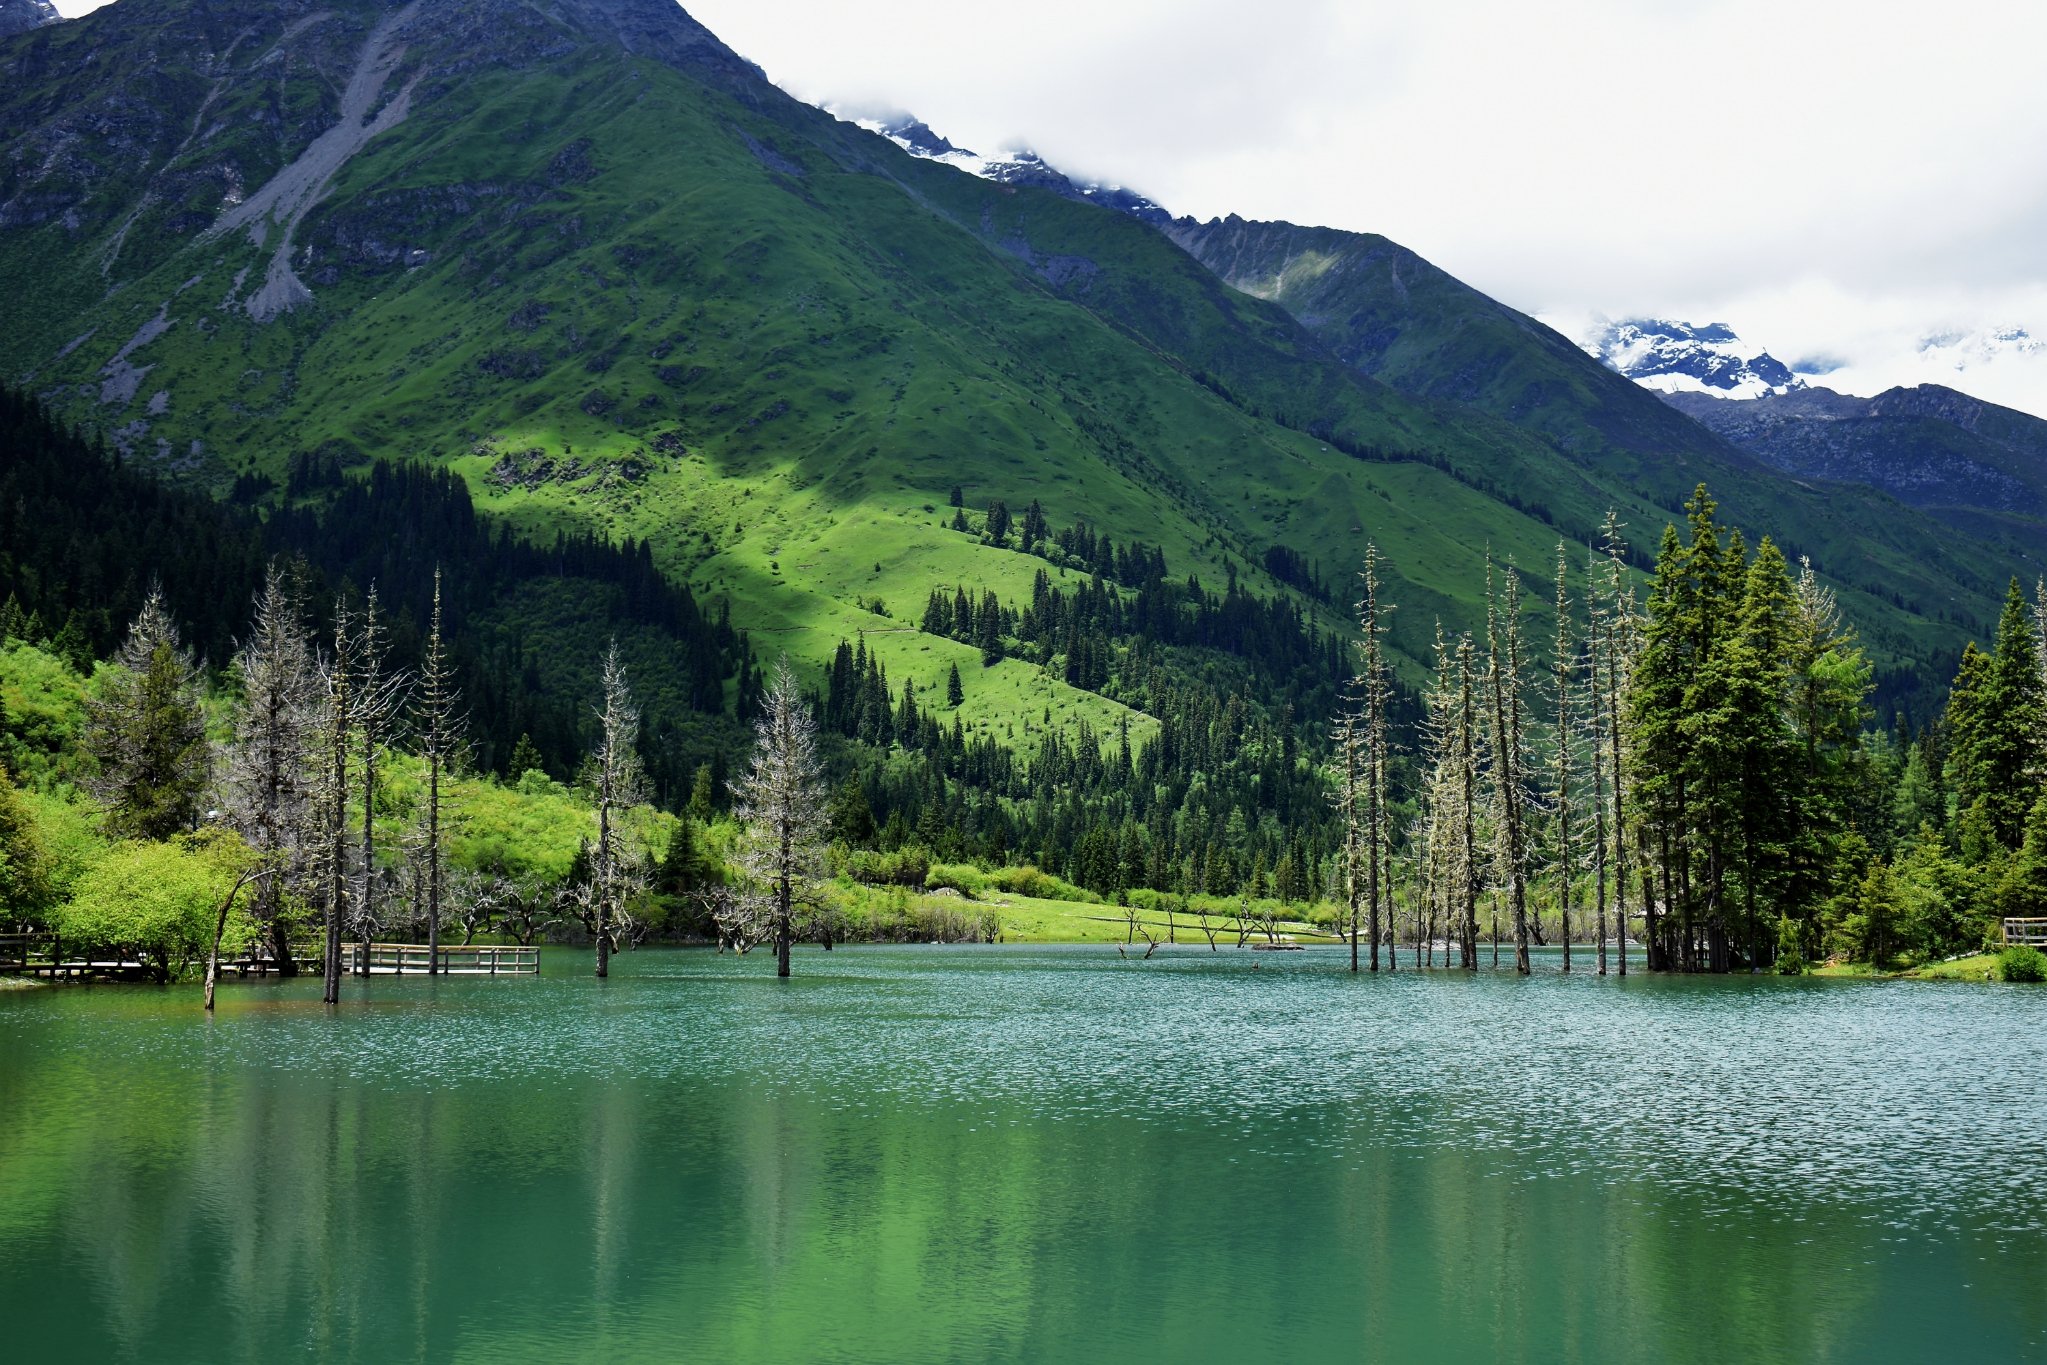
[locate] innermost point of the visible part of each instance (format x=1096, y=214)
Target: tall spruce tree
x=146, y=732
x=1997, y=723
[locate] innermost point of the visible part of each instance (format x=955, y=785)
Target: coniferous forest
x=354, y=708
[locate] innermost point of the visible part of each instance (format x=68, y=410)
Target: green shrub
x=2022, y=963
x=160, y=901
x=1790, y=964
x=905, y=867
x=1038, y=885
x=968, y=881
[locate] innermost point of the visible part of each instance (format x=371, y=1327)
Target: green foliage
x=2023, y=893
x=25, y=863
x=42, y=713
x=160, y=901
x=2022, y=963
x=1997, y=724
x=1746, y=712
x=1872, y=930
x=907, y=866
x=1943, y=899
x=146, y=735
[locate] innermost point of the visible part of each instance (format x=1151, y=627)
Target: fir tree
x=146, y=733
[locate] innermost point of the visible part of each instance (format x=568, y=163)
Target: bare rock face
x=19, y=16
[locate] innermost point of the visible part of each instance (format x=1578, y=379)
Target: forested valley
x=354, y=708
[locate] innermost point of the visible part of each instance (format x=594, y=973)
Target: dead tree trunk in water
x=1566, y=684
x=621, y=785
x=1503, y=644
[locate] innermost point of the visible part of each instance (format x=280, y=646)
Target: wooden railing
x=2032, y=932
x=413, y=959
x=18, y=950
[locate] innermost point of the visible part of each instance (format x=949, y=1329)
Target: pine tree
x=525, y=754
x=955, y=691
x=2024, y=893
x=146, y=733
x=702, y=800
x=1997, y=719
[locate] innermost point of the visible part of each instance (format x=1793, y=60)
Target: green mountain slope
x=583, y=255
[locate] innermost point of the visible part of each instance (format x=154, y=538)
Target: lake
x=1025, y=1154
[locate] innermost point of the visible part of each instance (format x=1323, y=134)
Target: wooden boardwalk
x=413, y=959
x=43, y=954
x=2027, y=932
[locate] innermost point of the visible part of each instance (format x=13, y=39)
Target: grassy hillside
x=645, y=293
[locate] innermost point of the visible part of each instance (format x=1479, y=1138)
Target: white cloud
x=1845, y=172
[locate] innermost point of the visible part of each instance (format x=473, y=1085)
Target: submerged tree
x=438, y=727
x=146, y=732
x=619, y=783
x=1361, y=739
x=337, y=738
x=1562, y=796
x=378, y=701
x=268, y=783
x=780, y=801
x=1509, y=753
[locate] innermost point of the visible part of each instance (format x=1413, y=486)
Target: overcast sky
x=1838, y=181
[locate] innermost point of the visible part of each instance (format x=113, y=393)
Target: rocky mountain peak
x=19, y=16
x=1677, y=357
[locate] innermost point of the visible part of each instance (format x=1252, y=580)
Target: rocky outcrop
x=19, y=16
x=1928, y=446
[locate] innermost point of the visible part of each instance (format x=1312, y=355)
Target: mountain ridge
x=621, y=282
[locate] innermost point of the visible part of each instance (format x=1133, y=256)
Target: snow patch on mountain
x=1962, y=350
x=1677, y=357
x=1013, y=166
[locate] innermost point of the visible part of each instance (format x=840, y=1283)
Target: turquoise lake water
x=1041, y=1154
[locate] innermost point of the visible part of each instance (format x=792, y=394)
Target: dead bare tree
x=780, y=801
x=619, y=783
x=338, y=726
x=227, y=905
x=438, y=724
x=267, y=785
x=1618, y=638
x=1565, y=682
x=1503, y=643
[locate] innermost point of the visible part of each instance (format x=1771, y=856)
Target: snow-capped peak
x=1676, y=357
x=1014, y=166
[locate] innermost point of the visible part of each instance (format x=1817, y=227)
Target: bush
x=905, y=867
x=1038, y=885
x=1790, y=964
x=160, y=901
x=2022, y=963
x=968, y=881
